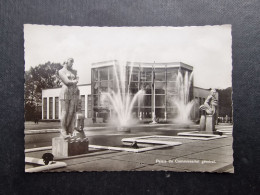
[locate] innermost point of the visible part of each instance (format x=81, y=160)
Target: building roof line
x=88, y=84
x=163, y=64
x=148, y=64
x=84, y=84
x=103, y=62
x=201, y=88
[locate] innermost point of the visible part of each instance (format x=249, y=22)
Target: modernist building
x=51, y=104
x=157, y=80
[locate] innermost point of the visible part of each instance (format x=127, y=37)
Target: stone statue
x=210, y=103
x=70, y=102
x=207, y=122
x=72, y=140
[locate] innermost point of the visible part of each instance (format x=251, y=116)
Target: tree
x=225, y=102
x=40, y=77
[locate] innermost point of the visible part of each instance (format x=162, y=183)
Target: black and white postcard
x=128, y=99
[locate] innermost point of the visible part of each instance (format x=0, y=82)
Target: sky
x=206, y=48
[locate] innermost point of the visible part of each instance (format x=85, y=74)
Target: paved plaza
x=214, y=155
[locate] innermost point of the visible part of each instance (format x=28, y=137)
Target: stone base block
x=70, y=147
x=202, y=123
x=210, y=123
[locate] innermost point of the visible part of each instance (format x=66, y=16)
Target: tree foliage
x=37, y=78
x=225, y=102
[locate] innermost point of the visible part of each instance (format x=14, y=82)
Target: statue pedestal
x=70, y=147
x=210, y=123
x=202, y=123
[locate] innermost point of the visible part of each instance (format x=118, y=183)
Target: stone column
x=48, y=106
x=53, y=108
x=42, y=107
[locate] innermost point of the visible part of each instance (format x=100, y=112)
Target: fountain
x=121, y=100
x=182, y=102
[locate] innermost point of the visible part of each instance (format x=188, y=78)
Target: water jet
x=182, y=101
x=121, y=99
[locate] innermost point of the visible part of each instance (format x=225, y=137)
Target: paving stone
x=203, y=146
x=226, y=147
x=193, y=148
x=222, y=151
x=206, y=145
x=37, y=154
x=112, y=154
x=78, y=160
x=106, y=165
x=223, y=142
x=94, y=155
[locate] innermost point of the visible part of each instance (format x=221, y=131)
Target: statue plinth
x=69, y=147
x=210, y=123
x=203, y=123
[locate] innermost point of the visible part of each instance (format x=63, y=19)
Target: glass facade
x=82, y=97
x=89, y=106
x=102, y=81
x=158, y=83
